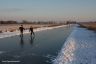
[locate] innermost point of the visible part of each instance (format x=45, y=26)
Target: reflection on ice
x=31, y=39
x=80, y=48
x=1, y=52
x=21, y=41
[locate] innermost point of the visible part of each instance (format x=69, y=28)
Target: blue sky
x=79, y=10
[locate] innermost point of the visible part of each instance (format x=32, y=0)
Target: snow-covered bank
x=80, y=48
x=9, y=34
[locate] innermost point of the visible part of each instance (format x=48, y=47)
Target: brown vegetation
x=0, y=31
x=89, y=25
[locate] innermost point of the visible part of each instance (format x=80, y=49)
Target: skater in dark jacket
x=31, y=30
x=21, y=30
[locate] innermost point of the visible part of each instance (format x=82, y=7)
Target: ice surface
x=80, y=48
x=1, y=52
x=9, y=34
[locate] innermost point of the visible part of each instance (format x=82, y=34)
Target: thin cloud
x=11, y=10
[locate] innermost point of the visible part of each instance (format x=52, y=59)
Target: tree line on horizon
x=36, y=22
x=42, y=22
x=26, y=22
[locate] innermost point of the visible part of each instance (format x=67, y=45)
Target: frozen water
x=2, y=52
x=80, y=48
x=39, y=50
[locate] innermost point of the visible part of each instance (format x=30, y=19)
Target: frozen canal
x=80, y=48
x=41, y=49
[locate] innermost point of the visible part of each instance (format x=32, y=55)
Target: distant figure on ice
x=21, y=30
x=31, y=30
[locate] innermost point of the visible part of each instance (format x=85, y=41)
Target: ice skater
x=31, y=31
x=21, y=28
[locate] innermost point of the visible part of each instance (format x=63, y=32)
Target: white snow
x=80, y=48
x=9, y=34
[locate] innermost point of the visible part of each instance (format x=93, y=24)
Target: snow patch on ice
x=67, y=53
x=80, y=48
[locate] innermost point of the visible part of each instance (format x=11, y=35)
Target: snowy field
x=9, y=34
x=80, y=48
